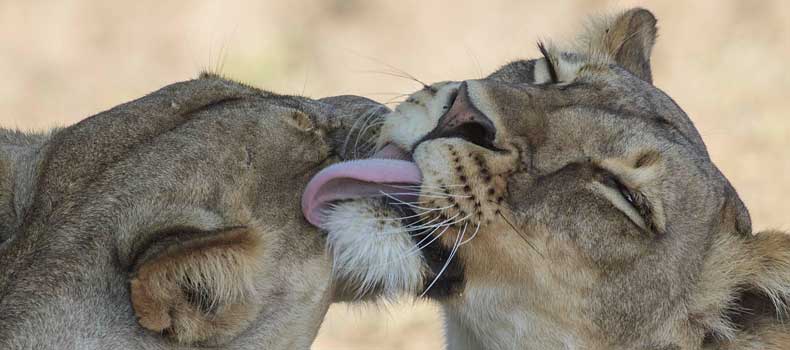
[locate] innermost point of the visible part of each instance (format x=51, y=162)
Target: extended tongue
x=359, y=179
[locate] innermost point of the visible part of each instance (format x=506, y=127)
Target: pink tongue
x=358, y=179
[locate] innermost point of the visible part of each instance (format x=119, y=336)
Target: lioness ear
x=744, y=285
x=628, y=39
x=769, y=268
x=197, y=286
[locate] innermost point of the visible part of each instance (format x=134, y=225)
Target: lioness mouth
x=390, y=167
x=380, y=175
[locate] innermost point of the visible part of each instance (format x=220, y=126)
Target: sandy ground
x=723, y=61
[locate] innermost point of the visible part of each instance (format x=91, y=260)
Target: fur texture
x=171, y=221
x=390, y=263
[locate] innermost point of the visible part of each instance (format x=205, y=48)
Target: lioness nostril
x=476, y=133
x=465, y=121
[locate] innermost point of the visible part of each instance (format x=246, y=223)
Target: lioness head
x=171, y=221
x=563, y=202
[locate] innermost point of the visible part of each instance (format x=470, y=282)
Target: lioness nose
x=465, y=121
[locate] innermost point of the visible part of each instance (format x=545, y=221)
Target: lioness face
x=171, y=222
x=572, y=205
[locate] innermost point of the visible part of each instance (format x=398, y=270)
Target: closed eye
x=632, y=203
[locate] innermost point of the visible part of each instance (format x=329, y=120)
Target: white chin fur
x=372, y=250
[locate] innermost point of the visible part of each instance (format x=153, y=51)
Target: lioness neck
x=496, y=318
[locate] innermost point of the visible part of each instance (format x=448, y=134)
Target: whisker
x=379, y=235
x=418, y=247
x=411, y=229
x=395, y=70
x=449, y=259
x=408, y=254
x=387, y=94
x=524, y=237
x=364, y=131
x=370, y=118
x=426, y=189
x=364, y=119
x=418, y=223
x=404, y=203
x=391, y=73
x=393, y=102
x=473, y=235
x=335, y=206
x=430, y=194
x=424, y=214
x=351, y=132
x=372, y=143
x=425, y=186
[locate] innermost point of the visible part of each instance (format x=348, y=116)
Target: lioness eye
x=613, y=182
x=634, y=204
x=627, y=194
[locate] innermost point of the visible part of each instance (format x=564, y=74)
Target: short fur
x=171, y=221
x=595, y=218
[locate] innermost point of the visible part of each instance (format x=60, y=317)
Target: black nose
x=465, y=121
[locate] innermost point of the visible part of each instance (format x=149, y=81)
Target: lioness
x=171, y=221
x=563, y=202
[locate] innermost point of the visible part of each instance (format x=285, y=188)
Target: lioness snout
x=464, y=120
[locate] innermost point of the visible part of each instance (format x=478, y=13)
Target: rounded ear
x=354, y=128
x=197, y=286
x=628, y=39
x=736, y=214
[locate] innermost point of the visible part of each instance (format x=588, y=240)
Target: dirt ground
x=724, y=62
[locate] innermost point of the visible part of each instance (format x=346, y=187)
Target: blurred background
x=724, y=62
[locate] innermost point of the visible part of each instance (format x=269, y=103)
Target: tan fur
x=172, y=221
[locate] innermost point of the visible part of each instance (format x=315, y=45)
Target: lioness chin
x=563, y=202
x=172, y=221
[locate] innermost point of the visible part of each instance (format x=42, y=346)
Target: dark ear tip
x=643, y=15
x=642, y=20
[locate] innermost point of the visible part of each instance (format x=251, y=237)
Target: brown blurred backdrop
x=724, y=62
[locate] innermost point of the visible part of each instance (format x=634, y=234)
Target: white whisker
x=429, y=195
x=449, y=259
x=366, y=125
x=412, y=252
x=404, y=203
x=419, y=187
x=473, y=235
x=364, y=118
x=418, y=247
